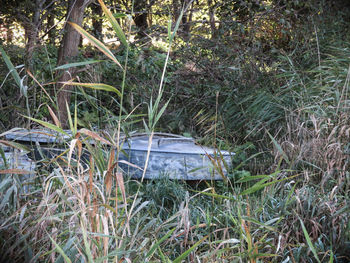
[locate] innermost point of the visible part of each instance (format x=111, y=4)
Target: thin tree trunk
x=67, y=52
x=186, y=20
x=213, y=28
x=190, y=17
x=32, y=29
x=51, y=28
x=176, y=9
x=178, y=6
x=96, y=21
x=9, y=32
x=140, y=19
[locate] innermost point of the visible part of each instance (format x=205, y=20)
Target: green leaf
x=77, y=64
x=117, y=29
x=260, y=185
x=308, y=240
x=163, y=257
x=246, y=160
x=251, y=178
x=4, y=161
x=154, y=247
x=255, y=188
x=116, y=16
x=96, y=43
x=109, y=208
x=69, y=118
x=60, y=250
x=290, y=194
x=86, y=244
x=215, y=195
x=177, y=25
x=188, y=251
x=260, y=223
x=160, y=113
x=75, y=119
x=10, y=66
x=279, y=148
x=15, y=145
x=49, y=125
x=169, y=28
x=4, y=183
x=96, y=86
x=5, y=197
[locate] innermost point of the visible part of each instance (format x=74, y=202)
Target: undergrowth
x=286, y=197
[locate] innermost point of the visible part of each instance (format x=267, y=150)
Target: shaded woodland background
x=239, y=68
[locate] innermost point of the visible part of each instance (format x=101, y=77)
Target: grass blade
x=94, y=135
x=75, y=124
x=160, y=113
x=178, y=21
x=4, y=161
x=163, y=257
x=49, y=125
x=156, y=245
x=16, y=171
x=188, y=251
x=279, y=148
x=6, y=197
x=251, y=178
x=169, y=28
x=117, y=29
x=77, y=64
x=15, y=145
x=60, y=250
x=309, y=242
x=86, y=244
x=96, y=43
x=214, y=195
x=54, y=117
x=96, y=86
x=260, y=185
x=11, y=67
x=70, y=119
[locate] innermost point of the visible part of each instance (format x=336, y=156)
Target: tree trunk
x=140, y=19
x=67, y=51
x=214, y=31
x=186, y=20
x=7, y=27
x=32, y=29
x=178, y=7
x=51, y=28
x=176, y=10
x=96, y=21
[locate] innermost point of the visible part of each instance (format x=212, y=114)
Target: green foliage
x=270, y=81
x=171, y=220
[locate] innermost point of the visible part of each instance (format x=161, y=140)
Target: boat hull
x=174, y=165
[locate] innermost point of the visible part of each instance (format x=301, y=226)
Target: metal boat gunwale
x=155, y=146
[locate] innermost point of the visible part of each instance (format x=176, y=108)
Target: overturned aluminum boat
x=42, y=143
x=14, y=159
x=174, y=156
x=41, y=136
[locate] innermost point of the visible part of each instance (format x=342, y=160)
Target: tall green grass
x=85, y=210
